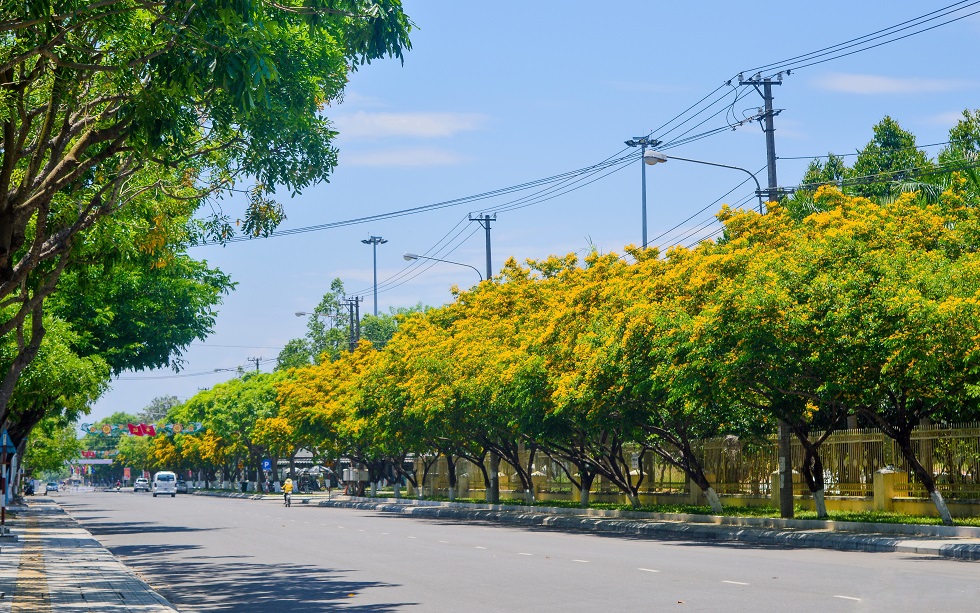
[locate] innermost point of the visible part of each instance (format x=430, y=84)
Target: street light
x=651, y=157
x=412, y=256
x=374, y=241
x=643, y=142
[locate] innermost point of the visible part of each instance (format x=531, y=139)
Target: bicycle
x=287, y=499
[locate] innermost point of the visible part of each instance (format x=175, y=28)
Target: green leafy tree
x=52, y=445
x=296, y=354
x=889, y=158
x=107, y=104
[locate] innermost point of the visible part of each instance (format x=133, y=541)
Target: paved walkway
x=56, y=565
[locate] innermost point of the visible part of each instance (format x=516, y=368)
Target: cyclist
x=287, y=490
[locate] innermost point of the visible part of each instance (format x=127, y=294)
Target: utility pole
x=643, y=142
x=493, y=492
x=766, y=118
x=354, y=310
x=256, y=360
x=374, y=241
x=484, y=221
x=785, y=458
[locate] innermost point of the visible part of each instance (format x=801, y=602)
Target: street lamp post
x=374, y=241
x=655, y=157
x=643, y=142
x=412, y=256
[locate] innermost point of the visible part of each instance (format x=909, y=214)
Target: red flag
x=135, y=430
x=148, y=429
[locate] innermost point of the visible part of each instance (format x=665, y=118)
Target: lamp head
x=410, y=256
x=651, y=157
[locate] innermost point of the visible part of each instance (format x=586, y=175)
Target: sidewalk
x=56, y=565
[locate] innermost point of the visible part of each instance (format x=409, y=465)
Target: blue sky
x=498, y=94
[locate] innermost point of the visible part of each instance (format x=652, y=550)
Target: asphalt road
x=216, y=554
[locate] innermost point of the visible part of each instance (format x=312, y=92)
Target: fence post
x=884, y=482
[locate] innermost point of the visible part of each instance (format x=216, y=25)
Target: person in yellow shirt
x=287, y=490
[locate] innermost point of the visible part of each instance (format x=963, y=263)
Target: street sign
x=266, y=464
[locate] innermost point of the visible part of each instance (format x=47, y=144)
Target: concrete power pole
x=785, y=460
x=493, y=492
x=484, y=221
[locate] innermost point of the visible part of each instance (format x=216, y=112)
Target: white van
x=164, y=482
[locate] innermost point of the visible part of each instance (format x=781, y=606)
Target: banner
x=142, y=429
x=100, y=454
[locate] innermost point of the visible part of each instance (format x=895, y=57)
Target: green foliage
x=52, y=444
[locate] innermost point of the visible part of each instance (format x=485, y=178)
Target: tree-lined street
x=216, y=554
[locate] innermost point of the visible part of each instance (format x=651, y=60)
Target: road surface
x=218, y=554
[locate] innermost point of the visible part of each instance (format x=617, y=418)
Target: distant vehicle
x=182, y=486
x=164, y=482
x=141, y=485
x=51, y=487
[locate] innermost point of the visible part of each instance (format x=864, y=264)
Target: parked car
x=182, y=486
x=51, y=487
x=141, y=485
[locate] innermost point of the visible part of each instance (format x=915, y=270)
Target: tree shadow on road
x=229, y=585
x=105, y=528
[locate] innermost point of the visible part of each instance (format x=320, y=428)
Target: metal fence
x=740, y=467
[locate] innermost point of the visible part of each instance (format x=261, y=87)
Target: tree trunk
x=813, y=475
x=586, y=479
x=925, y=478
x=451, y=474
x=493, y=490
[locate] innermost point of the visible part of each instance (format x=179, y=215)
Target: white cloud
x=949, y=119
x=414, y=157
x=876, y=84
x=366, y=125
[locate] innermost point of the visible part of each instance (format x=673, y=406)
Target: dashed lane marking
x=582, y=561
x=648, y=570
x=520, y=553
x=735, y=582
x=847, y=597
x=478, y=547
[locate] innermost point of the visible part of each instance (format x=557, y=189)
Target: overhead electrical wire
x=835, y=51
x=194, y=374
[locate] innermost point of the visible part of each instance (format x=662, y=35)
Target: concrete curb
x=679, y=529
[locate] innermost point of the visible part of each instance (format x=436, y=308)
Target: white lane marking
x=524, y=554
x=341, y=527
x=359, y=530
x=444, y=542
x=384, y=533
x=582, y=561
x=411, y=537
x=735, y=582
x=648, y=570
x=478, y=547
x=848, y=598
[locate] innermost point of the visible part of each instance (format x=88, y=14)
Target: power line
x=841, y=155
x=810, y=59
x=193, y=374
